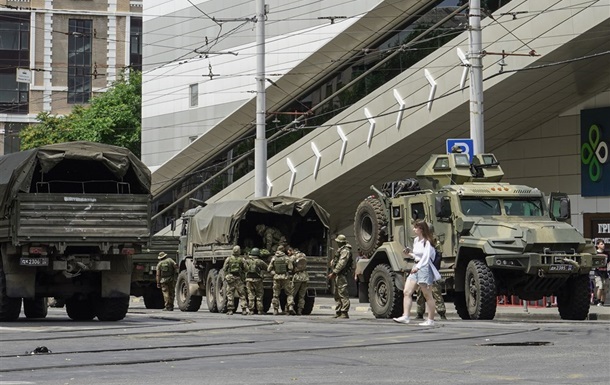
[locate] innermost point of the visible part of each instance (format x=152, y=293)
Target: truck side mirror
x=559, y=207
x=443, y=207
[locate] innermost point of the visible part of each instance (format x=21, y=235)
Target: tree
x=113, y=117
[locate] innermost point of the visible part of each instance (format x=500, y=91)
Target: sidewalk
x=503, y=312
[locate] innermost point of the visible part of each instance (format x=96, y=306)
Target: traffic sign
x=467, y=146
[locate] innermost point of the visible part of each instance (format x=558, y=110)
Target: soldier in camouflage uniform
x=300, y=280
x=272, y=237
x=254, y=281
x=235, y=272
x=341, y=266
x=281, y=267
x=438, y=301
x=167, y=270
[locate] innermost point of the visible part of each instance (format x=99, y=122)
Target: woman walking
x=423, y=274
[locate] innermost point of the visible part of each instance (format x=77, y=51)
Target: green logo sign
x=594, y=153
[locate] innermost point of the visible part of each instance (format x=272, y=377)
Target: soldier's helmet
x=255, y=252
x=236, y=250
x=341, y=238
x=281, y=248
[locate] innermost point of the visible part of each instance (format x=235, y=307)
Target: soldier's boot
x=420, y=316
x=230, y=312
x=260, y=310
x=245, y=311
x=291, y=311
x=275, y=311
x=337, y=315
x=299, y=311
x=344, y=315
x=443, y=315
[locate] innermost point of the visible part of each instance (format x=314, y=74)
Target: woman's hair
x=425, y=230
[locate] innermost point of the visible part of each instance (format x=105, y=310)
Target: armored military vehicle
x=72, y=216
x=209, y=233
x=496, y=239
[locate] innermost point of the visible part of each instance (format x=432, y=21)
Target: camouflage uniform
x=254, y=281
x=167, y=269
x=341, y=266
x=300, y=280
x=235, y=270
x=281, y=266
x=438, y=300
x=272, y=237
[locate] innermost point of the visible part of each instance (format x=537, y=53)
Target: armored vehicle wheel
x=112, y=309
x=186, y=301
x=310, y=299
x=80, y=310
x=460, y=305
x=221, y=292
x=210, y=286
x=384, y=297
x=153, y=298
x=9, y=307
x=480, y=291
x=370, y=225
x=35, y=308
x=573, y=299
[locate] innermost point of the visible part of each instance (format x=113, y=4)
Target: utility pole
x=260, y=143
x=475, y=56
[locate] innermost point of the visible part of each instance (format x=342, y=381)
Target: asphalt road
x=155, y=347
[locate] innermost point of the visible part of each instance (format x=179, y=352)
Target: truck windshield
x=524, y=207
x=480, y=206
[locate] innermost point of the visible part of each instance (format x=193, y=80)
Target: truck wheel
x=112, y=309
x=460, y=305
x=153, y=298
x=35, y=308
x=80, y=310
x=9, y=307
x=310, y=299
x=573, y=299
x=370, y=225
x=384, y=297
x=480, y=291
x=186, y=301
x=220, y=292
x=210, y=286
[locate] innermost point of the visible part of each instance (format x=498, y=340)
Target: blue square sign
x=467, y=146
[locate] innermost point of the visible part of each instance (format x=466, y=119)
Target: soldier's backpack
x=254, y=270
x=280, y=265
x=166, y=269
x=234, y=265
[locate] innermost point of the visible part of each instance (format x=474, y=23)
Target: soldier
x=167, y=270
x=300, y=280
x=235, y=271
x=281, y=266
x=254, y=281
x=272, y=237
x=438, y=300
x=340, y=266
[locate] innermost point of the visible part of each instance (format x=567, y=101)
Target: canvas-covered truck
x=210, y=232
x=71, y=217
x=496, y=239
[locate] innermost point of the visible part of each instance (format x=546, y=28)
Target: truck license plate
x=561, y=268
x=34, y=261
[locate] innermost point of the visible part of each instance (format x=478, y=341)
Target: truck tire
x=210, y=289
x=153, y=298
x=460, y=305
x=220, y=292
x=112, y=309
x=480, y=291
x=186, y=301
x=385, y=298
x=310, y=299
x=80, y=310
x=9, y=307
x=370, y=224
x=573, y=299
x=35, y=308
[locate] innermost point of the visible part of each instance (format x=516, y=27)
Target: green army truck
x=72, y=216
x=209, y=233
x=496, y=239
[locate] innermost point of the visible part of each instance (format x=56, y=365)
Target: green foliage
x=113, y=117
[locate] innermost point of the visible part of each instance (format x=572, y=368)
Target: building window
x=14, y=53
x=79, y=60
x=135, y=44
x=194, y=93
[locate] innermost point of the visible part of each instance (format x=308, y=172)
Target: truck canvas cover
x=17, y=170
x=216, y=221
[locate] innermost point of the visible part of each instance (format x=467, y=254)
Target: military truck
x=72, y=216
x=209, y=233
x=496, y=239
